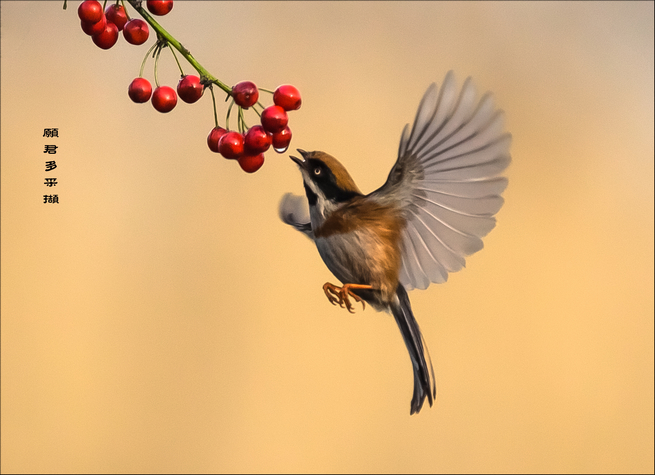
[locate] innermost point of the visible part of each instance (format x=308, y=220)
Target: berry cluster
x=247, y=144
x=103, y=27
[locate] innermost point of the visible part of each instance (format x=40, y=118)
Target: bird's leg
x=340, y=295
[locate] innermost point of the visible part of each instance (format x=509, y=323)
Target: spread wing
x=447, y=180
x=294, y=211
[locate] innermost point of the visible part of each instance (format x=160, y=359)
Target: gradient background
x=162, y=319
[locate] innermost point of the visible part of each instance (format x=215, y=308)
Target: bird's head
x=327, y=182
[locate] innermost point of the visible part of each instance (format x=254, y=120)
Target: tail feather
x=424, y=386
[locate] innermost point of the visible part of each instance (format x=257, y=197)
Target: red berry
x=213, y=137
x=90, y=11
x=159, y=7
x=94, y=28
x=251, y=163
x=139, y=90
x=164, y=99
x=281, y=140
x=257, y=140
x=230, y=145
x=116, y=14
x=189, y=89
x=107, y=38
x=245, y=94
x=287, y=97
x=136, y=31
x=274, y=119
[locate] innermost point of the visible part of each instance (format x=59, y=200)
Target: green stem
x=265, y=90
x=143, y=63
x=227, y=117
x=178, y=63
x=242, y=121
x=125, y=9
x=256, y=111
x=178, y=46
x=211, y=89
x=157, y=53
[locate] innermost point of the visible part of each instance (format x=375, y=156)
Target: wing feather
x=486, y=206
x=410, y=260
x=439, y=250
x=469, y=189
x=294, y=211
x=404, y=140
x=447, y=180
x=466, y=132
x=458, y=240
x=451, y=122
x=432, y=269
x=433, y=113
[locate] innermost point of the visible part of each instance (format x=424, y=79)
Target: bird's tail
x=424, y=385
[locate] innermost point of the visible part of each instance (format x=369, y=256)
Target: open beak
x=300, y=162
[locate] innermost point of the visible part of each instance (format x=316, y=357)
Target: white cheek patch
x=317, y=211
x=312, y=186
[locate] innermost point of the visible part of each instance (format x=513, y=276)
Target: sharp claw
x=341, y=295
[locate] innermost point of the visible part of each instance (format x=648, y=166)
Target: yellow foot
x=341, y=295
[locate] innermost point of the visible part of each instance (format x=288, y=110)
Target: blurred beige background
x=162, y=319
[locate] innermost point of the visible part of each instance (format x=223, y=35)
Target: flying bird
x=438, y=202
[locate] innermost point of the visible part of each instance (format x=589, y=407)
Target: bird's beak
x=301, y=163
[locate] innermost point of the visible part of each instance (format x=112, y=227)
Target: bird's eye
x=317, y=171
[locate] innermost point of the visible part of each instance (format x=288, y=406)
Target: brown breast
x=370, y=217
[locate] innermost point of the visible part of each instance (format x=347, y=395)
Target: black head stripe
x=333, y=192
x=327, y=182
x=311, y=196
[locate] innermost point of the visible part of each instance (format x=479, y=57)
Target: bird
x=438, y=202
